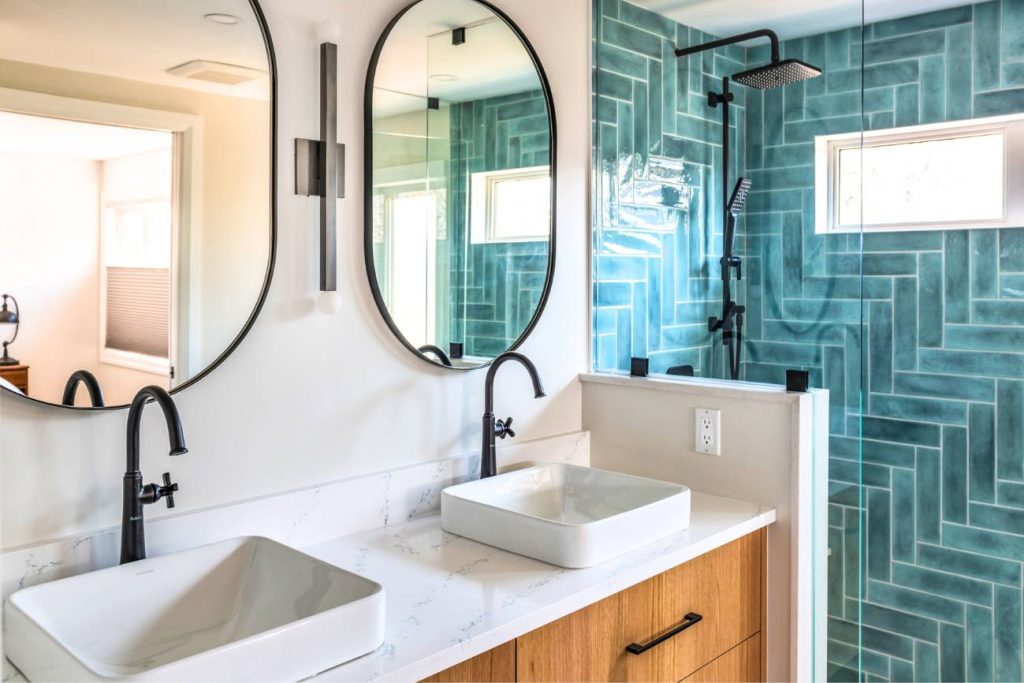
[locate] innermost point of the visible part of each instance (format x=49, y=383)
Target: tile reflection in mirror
x=460, y=230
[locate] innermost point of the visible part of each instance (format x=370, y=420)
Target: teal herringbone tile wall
x=498, y=284
x=926, y=514
x=942, y=463
x=658, y=155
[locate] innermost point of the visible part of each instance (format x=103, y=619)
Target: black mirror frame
x=261, y=21
x=371, y=271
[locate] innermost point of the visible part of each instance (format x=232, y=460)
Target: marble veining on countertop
x=449, y=598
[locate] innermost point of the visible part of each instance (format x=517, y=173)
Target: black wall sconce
x=320, y=167
x=9, y=317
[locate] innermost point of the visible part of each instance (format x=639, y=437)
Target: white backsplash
x=298, y=518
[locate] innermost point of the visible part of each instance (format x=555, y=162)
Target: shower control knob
x=503, y=428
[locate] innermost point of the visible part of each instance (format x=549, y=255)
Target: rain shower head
x=778, y=73
x=739, y=197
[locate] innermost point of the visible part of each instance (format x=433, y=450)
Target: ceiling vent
x=215, y=72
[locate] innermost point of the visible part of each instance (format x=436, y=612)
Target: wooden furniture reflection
x=720, y=592
x=16, y=375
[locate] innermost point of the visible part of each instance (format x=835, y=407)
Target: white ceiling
x=59, y=138
x=135, y=40
x=788, y=18
x=492, y=61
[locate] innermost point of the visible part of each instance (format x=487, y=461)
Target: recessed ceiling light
x=222, y=19
x=444, y=78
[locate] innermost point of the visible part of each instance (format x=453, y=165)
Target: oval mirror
x=459, y=181
x=136, y=189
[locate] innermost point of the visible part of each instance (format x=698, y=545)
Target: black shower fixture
x=773, y=75
x=778, y=73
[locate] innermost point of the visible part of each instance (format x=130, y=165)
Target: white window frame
x=827, y=150
x=481, y=203
x=129, y=359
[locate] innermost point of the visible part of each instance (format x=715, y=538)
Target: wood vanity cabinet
x=724, y=587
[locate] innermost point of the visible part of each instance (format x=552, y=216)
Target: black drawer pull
x=689, y=620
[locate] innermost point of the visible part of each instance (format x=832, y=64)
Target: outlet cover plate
x=707, y=431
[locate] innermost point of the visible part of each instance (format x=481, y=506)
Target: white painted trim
x=135, y=361
x=482, y=185
x=92, y=111
x=826, y=170
x=808, y=563
x=819, y=515
x=707, y=386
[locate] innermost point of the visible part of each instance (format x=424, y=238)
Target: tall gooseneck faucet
x=501, y=428
x=135, y=494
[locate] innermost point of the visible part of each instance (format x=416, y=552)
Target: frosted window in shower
x=921, y=182
x=947, y=176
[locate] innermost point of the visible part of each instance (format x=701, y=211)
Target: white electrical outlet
x=708, y=431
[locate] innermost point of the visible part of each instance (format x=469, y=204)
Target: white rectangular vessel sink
x=566, y=515
x=243, y=609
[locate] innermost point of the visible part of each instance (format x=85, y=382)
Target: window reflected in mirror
x=135, y=223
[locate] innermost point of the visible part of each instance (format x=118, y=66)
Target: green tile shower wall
x=498, y=284
x=658, y=159
x=936, y=487
x=943, y=361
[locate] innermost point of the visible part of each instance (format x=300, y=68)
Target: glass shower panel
x=944, y=396
x=401, y=200
x=797, y=298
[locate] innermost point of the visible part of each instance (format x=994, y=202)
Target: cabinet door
x=742, y=664
x=722, y=586
x=494, y=666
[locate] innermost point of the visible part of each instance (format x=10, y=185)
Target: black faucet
x=500, y=428
x=437, y=351
x=91, y=384
x=136, y=495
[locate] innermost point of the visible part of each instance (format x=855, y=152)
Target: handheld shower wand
x=731, y=322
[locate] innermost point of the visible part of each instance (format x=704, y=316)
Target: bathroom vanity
x=471, y=612
x=709, y=612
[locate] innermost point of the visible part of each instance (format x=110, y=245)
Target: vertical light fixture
x=320, y=167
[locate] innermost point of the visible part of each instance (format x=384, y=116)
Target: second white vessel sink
x=566, y=515
x=243, y=609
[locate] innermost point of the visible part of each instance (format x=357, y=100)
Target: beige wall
x=51, y=224
x=233, y=237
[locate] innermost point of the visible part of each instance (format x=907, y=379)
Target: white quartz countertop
x=449, y=598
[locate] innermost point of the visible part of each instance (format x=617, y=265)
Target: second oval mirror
x=460, y=172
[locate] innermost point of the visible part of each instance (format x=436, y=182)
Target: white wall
x=52, y=209
x=308, y=397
